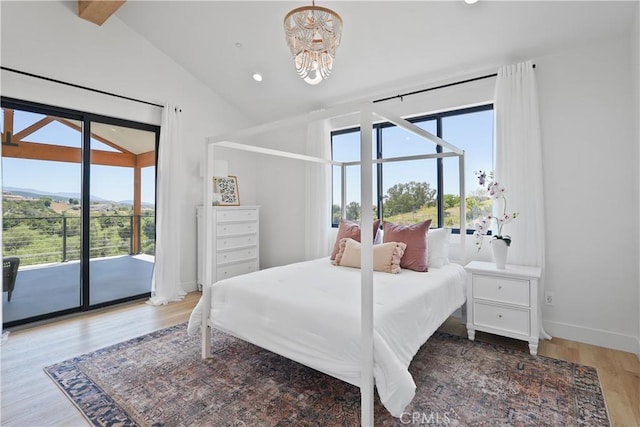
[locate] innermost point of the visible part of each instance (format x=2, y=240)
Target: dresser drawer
x=511, y=291
x=236, y=228
x=232, y=242
x=224, y=272
x=236, y=255
x=501, y=318
x=236, y=215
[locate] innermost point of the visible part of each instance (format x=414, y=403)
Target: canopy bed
x=308, y=311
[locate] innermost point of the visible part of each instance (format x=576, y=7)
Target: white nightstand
x=503, y=302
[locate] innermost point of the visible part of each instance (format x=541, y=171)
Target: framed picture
x=227, y=189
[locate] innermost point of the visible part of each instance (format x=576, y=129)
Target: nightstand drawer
x=239, y=228
x=501, y=318
x=224, y=272
x=236, y=215
x=511, y=291
x=236, y=255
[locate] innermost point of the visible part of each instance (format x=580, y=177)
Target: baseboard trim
x=599, y=337
x=189, y=286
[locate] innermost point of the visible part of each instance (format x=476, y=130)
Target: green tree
x=450, y=201
x=408, y=197
x=335, y=214
x=353, y=211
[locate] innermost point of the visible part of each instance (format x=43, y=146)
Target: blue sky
x=107, y=182
x=472, y=132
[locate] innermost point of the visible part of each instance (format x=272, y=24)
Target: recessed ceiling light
x=257, y=77
x=471, y=1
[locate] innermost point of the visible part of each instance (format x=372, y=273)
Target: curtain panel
x=518, y=165
x=318, y=191
x=166, y=284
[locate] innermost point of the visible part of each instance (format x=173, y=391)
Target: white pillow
x=438, y=247
x=378, y=238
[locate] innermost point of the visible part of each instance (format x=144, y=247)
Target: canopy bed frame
x=367, y=112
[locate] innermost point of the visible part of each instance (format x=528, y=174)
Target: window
x=411, y=191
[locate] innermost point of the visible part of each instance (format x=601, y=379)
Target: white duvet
x=310, y=312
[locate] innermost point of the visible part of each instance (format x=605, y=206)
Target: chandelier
x=313, y=35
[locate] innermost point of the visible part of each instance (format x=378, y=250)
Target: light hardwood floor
x=30, y=398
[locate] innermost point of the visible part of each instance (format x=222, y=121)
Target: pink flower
x=504, y=219
x=496, y=190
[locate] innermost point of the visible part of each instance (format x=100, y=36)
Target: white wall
x=635, y=69
x=48, y=38
x=591, y=191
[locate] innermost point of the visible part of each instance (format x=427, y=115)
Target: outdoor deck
x=48, y=288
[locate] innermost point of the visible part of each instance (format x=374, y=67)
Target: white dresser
x=503, y=302
x=235, y=240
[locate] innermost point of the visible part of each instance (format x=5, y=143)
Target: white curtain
x=166, y=286
x=318, y=191
x=519, y=165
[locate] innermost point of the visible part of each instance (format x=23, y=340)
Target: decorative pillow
x=386, y=257
x=378, y=238
x=415, y=237
x=351, y=229
x=438, y=247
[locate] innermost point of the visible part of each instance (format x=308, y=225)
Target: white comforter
x=310, y=312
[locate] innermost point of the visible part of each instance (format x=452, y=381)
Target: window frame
x=378, y=127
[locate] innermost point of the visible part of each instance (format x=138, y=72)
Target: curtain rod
x=49, y=79
x=473, y=79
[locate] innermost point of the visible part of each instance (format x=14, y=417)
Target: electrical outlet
x=548, y=298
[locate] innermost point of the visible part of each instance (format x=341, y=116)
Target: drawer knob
x=500, y=316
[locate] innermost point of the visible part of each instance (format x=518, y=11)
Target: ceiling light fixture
x=471, y=1
x=257, y=77
x=313, y=35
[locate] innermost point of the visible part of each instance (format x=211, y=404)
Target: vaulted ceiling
x=387, y=46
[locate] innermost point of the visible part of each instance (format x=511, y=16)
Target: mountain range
x=64, y=197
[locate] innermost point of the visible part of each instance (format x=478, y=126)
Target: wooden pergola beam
x=147, y=159
x=93, y=135
x=32, y=128
x=8, y=126
x=57, y=153
x=98, y=11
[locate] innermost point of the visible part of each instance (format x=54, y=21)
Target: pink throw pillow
x=352, y=230
x=415, y=236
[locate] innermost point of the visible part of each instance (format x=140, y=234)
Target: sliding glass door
x=121, y=208
x=78, y=210
x=41, y=218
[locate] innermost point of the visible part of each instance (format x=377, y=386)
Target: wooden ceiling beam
x=98, y=11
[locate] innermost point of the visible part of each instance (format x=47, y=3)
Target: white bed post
x=208, y=247
x=366, y=271
x=463, y=211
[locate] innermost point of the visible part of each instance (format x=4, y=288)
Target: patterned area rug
x=159, y=379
